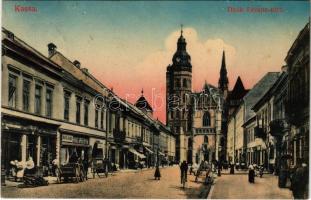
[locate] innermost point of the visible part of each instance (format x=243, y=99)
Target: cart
x=99, y=166
x=72, y=171
x=34, y=177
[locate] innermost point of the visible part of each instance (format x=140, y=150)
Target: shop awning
x=162, y=154
x=137, y=153
x=149, y=150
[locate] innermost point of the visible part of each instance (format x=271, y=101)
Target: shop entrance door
x=10, y=148
x=32, y=148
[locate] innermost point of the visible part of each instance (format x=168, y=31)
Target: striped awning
x=149, y=150
x=160, y=153
x=140, y=155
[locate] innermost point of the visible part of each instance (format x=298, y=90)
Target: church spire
x=181, y=31
x=223, y=79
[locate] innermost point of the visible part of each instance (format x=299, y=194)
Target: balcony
x=259, y=132
x=297, y=108
x=119, y=136
x=278, y=127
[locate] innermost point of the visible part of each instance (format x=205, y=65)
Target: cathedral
x=196, y=118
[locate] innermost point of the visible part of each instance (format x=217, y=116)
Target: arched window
x=205, y=139
x=206, y=119
x=185, y=83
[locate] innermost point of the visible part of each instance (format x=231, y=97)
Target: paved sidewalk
x=237, y=187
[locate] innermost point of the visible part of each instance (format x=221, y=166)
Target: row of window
x=38, y=99
x=12, y=94
x=185, y=82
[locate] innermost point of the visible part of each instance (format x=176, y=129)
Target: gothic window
x=206, y=119
x=205, y=139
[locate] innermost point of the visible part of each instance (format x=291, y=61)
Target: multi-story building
x=256, y=123
x=47, y=113
x=297, y=105
x=231, y=105
x=52, y=108
x=270, y=110
x=241, y=141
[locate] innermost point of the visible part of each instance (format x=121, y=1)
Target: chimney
x=284, y=68
x=85, y=70
x=52, y=49
x=10, y=35
x=77, y=64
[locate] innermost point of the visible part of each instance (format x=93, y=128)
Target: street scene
x=169, y=100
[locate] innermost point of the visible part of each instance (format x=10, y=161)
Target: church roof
x=181, y=58
x=142, y=103
x=238, y=91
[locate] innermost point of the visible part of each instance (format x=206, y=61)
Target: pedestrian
x=218, y=168
x=251, y=174
x=191, y=169
x=231, y=168
x=299, y=180
x=157, y=174
x=183, y=170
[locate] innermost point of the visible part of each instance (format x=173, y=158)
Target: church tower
x=178, y=93
x=223, y=79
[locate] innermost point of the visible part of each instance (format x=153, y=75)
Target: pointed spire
x=142, y=91
x=223, y=79
x=181, y=30
x=223, y=62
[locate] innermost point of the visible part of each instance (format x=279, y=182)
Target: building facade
x=52, y=108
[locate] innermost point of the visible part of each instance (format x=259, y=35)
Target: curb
x=211, y=189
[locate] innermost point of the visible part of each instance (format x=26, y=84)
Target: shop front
x=24, y=139
x=135, y=158
x=74, y=147
x=149, y=157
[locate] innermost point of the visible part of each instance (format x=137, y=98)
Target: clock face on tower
x=178, y=59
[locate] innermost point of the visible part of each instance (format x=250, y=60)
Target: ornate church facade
x=196, y=118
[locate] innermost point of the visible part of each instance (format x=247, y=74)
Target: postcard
x=155, y=99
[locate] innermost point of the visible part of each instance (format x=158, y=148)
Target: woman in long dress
x=157, y=174
x=251, y=174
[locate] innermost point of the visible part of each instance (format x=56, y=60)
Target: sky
x=128, y=45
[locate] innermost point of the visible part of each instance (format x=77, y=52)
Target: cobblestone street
x=130, y=184
x=237, y=187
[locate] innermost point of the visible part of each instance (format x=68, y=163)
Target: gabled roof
x=280, y=81
x=262, y=86
x=238, y=91
x=23, y=45
x=143, y=104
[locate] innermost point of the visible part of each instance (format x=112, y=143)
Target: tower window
x=206, y=119
x=177, y=82
x=185, y=83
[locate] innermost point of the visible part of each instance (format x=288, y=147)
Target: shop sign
x=83, y=141
x=74, y=139
x=67, y=138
